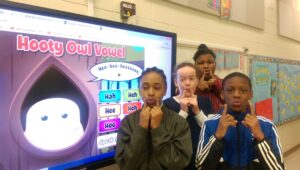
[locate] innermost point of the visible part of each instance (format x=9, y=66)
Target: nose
x=187, y=82
x=151, y=92
x=236, y=93
x=205, y=65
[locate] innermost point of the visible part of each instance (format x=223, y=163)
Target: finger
x=248, y=121
x=252, y=111
x=189, y=103
x=224, y=110
x=202, y=77
x=222, y=106
x=211, y=73
x=152, y=112
x=183, y=93
x=144, y=109
x=195, y=98
x=188, y=93
x=232, y=123
x=146, y=112
x=212, y=80
x=203, y=85
x=145, y=105
x=247, y=117
x=157, y=102
x=245, y=123
x=229, y=117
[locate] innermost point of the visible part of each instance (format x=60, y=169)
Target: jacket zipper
x=238, y=144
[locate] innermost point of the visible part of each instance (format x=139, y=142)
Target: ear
x=251, y=95
x=222, y=95
x=165, y=91
x=175, y=82
x=140, y=91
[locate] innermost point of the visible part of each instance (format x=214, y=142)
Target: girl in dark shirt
x=154, y=137
x=210, y=84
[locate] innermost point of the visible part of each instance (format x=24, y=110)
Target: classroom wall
x=193, y=27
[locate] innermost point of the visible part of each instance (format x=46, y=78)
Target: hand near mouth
x=156, y=115
x=211, y=80
x=251, y=122
x=203, y=85
x=225, y=122
x=193, y=103
x=184, y=101
x=145, y=116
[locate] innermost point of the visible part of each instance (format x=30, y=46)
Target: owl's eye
x=44, y=118
x=64, y=116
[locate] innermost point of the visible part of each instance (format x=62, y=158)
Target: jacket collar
x=239, y=116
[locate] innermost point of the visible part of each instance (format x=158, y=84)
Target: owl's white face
x=53, y=124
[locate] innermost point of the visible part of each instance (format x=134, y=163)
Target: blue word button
x=109, y=96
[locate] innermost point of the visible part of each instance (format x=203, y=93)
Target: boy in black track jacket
x=236, y=136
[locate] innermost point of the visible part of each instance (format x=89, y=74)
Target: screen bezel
x=106, y=159
x=92, y=20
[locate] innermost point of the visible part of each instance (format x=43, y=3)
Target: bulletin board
x=228, y=59
x=276, y=87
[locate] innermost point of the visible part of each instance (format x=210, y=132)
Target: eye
x=44, y=118
x=64, y=116
x=229, y=90
x=192, y=78
x=157, y=87
x=145, y=87
x=244, y=91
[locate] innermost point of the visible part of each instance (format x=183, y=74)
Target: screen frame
x=106, y=159
x=93, y=20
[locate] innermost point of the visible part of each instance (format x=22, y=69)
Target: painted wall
x=193, y=27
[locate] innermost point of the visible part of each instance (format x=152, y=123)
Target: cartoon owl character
x=53, y=124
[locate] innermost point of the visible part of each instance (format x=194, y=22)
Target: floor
x=292, y=160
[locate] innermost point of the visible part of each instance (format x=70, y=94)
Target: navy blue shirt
x=204, y=105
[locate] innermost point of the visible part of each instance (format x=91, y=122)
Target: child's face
x=236, y=93
x=186, y=80
x=152, y=88
x=206, y=63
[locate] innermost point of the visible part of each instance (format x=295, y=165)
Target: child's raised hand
x=184, y=101
x=212, y=80
x=251, y=122
x=145, y=116
x=156, y=115
x=203, y=85
x=225, y=121
x=194, y=104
